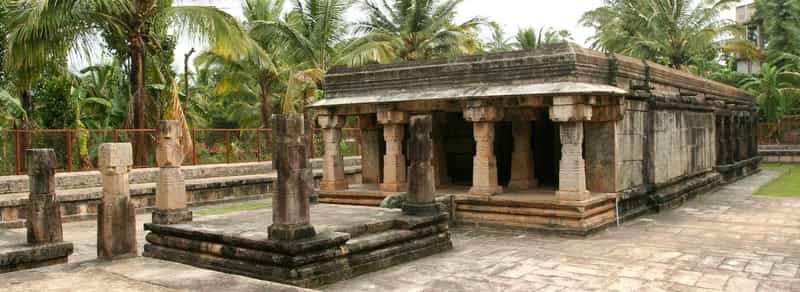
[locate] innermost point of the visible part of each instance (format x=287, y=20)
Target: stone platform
x=16, y=257
x=350, y=241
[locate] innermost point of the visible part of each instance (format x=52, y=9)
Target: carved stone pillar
x=523, y=175
x=291, y=218
x=333, y=162
x=421, y=199
x=394, y=162
x=370, y=149
x=572, y=167
x=171, y=207
x=44, y=211
x=484, y=164
x=116, y=215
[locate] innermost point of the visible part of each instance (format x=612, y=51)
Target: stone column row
x=394, y=162
x=333, y=162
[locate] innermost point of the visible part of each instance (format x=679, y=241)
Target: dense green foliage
x=275, y=58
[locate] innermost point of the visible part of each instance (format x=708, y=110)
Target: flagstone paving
x=726, y=240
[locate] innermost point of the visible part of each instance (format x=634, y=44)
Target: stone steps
x=372, y=198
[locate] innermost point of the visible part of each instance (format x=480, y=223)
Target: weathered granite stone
x=44, y=211
x=169, y=151
x=333, y=163
x=370, y=149
x=290, y=206
x=394, y=161
x=572, y=167
x=23, y=257
x=309, y=179
x=171, y=206
x=421, y=196
x=116, y=219
x=523, y=175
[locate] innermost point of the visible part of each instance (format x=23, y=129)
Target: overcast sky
x=512, y=14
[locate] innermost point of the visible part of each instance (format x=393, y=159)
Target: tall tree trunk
x=265, y=83
x=140, y=148
x=27, y=124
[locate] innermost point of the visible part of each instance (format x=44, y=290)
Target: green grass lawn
x=233, y=208
x=786, y=185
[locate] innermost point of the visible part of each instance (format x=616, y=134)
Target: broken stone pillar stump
x=522, y=163
x=116, y=215
x=572, y=167
x=333, y=163
x=394, y=162
x=291, y=218
x=421, y=198
x=370, y=150
x=45, y=244
x=44, y=211
x=484, y=165
x=171, y=206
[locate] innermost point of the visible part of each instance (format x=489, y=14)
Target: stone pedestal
x=522, y=163
x=290, y=206
x=370, y=150
x=333, y=162
x=44, y=211
x=171, y=206
x=421, y=198
x=116, y=215
x=394, y=162
x=572, y=167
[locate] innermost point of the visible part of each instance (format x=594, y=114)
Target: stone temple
x=561, y=139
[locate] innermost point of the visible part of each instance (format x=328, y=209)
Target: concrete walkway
x=726, y=240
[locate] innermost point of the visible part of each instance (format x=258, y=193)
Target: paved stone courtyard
x=726, y=240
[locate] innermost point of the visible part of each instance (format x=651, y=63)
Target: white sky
x=512, y=14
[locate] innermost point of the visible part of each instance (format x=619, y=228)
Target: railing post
x=227, y=146
x=258, y=145
x=114, y=135
x=18, y=151
x=194, y=147
x=68, y=136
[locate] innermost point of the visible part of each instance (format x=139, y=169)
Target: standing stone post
x=44, y=211
x=291, y=218
x=394, y=162
x=171, y=207
x=523, y=175
x=484, y=165
x=116, y=218
x=572, y=167
x=332, y=162
x=421, y=200
x=370, y=150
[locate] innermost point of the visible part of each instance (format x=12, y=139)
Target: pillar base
x=167, y=217
x=286, y=232
x=393, y=187
x=522, y=184
x=337, y=185
x=573, y=195
x=485, y=191
x=413, y=209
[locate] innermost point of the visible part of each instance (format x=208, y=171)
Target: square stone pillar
x=333, y=163
x=421, y=199
x=523, y=174
x=43, y=222
x=291, y=218
x=572, y=167
x=439, y=154
x=116, y=215
x=370, y=149
x=171, y=206
x=484, y=164
x=394, y=162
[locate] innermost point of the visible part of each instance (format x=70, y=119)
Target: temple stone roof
x=560, y=69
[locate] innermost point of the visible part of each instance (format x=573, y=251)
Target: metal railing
x=211, y=146
x=786, y=132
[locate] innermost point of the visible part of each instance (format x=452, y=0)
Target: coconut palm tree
x=412, y=30
x=43, y=29
x=498, y=42
x=670, y=32
x=528, y=38
x=777, y=92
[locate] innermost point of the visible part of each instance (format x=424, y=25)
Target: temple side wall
x=684, y=144
x=629, y=144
